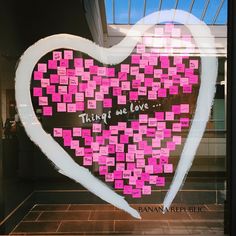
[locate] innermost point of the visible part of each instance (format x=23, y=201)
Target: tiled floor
x=106, y=220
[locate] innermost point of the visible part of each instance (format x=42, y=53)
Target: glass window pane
x=222, y=17
x=167, y=5
x=151, y=6
x=136, y=12
x=184, y=4
x=211, y=11
x=121, y=11
x=109, y=12
x=198, y=8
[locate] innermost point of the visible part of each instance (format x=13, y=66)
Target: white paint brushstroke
x=63, y=162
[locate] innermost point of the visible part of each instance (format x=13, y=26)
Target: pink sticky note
x=54, y=79
x=135, y=59
x=71, y=107
x=152, y=122
x=89, y=93
x=133, y=96
x=193, y=79
x=110, y=72
x=160, y=181
x=174, y=90
x=129, y=157
x=136, y=193
x=70, y=72
x=42, y=67
x=149, y=169
x=142, y=91
x=57, y=132
x=105, y=82
x=37, y=92
x=159, y=31
x=107, y=103
x=152, y=95
x=143, y=118
x=73, y=80
x=124, y=138
x=187, y=89
x=67, y=141
x=85, y=76
x=140, y=77
x=102, y=71
x=109, y=177
x=118, y=174
x=124, y=68
x=120, y=156
x=45, y=83
x=120, y=147
x=193, y=64
x=168, y=168
x=177, y=140
x=176, y=32
x=119, y=184
x=79, y=97
x=162, y=93
x=121, y=100
x=72, y=89
x=61, y=70
x=78, y=62
x=67, y=97
x=68, y=54
x=169, y=115
x=158, y=73
x=159, y=116
x=156, y=142
x=97, y=128
x=184, y=122
x=50, y=89
x=171, y=146
x=79, y=151
x=61, y=107
x=152, y=60
x=146, y=190
x=148, y=70
x=64, y=63
x=176, y=109
x=43, y=101
x=76, y=132
x=122, y=76
x=128, y=189
x=57, y=55
x=93, y=70
x=140, y=48
x=110, y=161
x=148, y=82
x=184, y=108
x=87, y=161
x=47, y=111
x=38, y=75
x=103, y=170
x=52, y=64
x=56, y=97
x=176, y=127
x=74, y=144
x=125, y=85
x=88, y=63
x=91, y=104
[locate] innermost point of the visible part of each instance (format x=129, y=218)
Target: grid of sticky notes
x=131, y=155
x=76, y=84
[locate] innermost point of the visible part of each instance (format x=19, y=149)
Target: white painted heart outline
x=63, y=162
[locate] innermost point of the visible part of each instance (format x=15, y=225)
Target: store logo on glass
x=126, y=114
